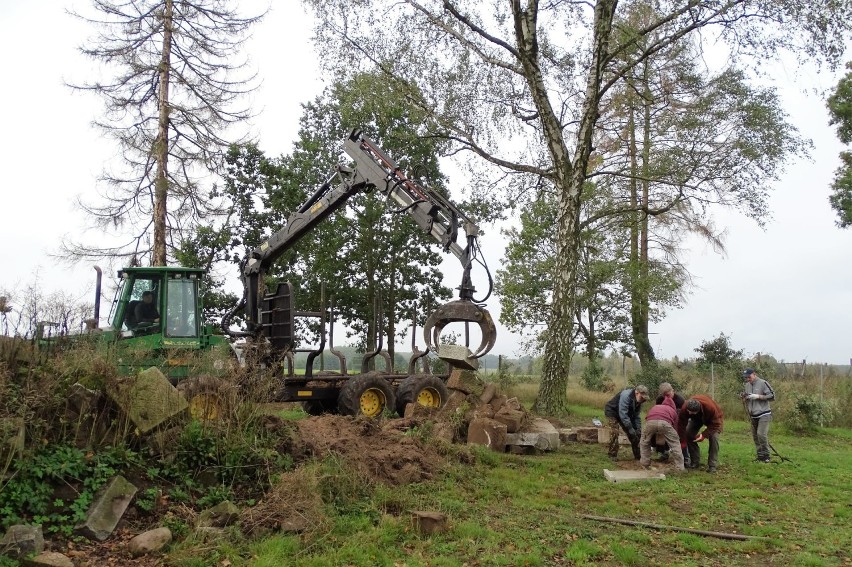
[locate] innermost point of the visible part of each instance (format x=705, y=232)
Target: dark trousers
x=692, y=428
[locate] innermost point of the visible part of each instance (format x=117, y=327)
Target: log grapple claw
x=461, y=311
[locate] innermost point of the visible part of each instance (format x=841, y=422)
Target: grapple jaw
x=460, y=311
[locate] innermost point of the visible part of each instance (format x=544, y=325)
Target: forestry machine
x=271, y=316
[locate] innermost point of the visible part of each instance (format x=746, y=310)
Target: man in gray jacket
x=757, y=395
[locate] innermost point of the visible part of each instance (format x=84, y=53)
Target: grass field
x=527, y=510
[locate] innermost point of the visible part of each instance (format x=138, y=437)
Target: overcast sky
x=785, y=290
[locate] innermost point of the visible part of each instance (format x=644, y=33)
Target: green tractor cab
x=155, y=320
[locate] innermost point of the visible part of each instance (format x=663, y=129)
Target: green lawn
x=526, y=510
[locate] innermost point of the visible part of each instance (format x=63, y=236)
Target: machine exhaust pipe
x=97, y=316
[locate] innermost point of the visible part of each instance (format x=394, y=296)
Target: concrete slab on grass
x=627, y=476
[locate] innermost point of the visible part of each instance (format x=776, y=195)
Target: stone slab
x=630, y=476
x=107, y=509
x=459, y=356
x=148, y=399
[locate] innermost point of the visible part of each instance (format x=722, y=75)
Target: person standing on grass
x=622, y=412
x=662, y=420
x=757, y=395
x=697, y=412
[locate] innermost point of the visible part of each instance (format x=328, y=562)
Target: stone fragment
x=568, y=435
x=106, y=510
x=538, y=433
x=49, y=559
x=22, y=540
x=487, y=432
x=459, y=356
x=513, y=419
x=219, y=516
x=428, y=523
x=148, y=542
x=498, y=402
x=466, y=381
x=488, y=393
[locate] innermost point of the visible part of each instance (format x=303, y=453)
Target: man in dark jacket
x=146, y=311
x=697, y=412
x=622, y=412
x=757, y=395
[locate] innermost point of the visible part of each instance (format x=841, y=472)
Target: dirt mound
x=293, y=505
x=382, y=454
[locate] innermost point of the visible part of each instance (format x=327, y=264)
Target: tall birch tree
x=520, y=84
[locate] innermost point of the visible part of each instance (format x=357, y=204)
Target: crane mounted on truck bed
x=270, y=315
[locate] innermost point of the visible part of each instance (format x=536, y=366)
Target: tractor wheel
x=209, y=398
x=367, y=394
x=425, y=390
x=319, y=407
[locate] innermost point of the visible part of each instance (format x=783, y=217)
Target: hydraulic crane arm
x=428, y=208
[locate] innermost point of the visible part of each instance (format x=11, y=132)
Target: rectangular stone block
x=630, y=476
x=487, y=432
x=459, y=356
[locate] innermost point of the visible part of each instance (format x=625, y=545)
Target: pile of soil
x=380, y=452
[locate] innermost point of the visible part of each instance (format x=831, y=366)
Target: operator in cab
x=146, y=312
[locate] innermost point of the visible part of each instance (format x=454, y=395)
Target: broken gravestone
x=148, y=399
x=21, y=540
x=106, y=510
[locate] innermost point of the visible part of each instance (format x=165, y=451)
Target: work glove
x=752, y=397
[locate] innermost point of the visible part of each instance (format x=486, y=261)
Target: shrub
x=809, y=413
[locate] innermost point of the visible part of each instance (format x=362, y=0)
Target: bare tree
x=170, y=93
x=520, y=84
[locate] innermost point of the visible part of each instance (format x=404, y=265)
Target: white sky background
x=786, y=290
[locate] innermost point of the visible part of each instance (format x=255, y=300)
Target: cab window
x=181, y=316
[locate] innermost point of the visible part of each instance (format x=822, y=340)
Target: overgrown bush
x=809, y=412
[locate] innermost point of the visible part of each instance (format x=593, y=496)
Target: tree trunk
x=569, y=178
x=161, y=144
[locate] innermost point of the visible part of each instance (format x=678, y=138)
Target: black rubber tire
x=367, y=394
x=209, y=398
x=425, y=389
x=319, y=407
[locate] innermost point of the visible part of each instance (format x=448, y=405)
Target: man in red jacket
x=701, y=411
x=661, y=419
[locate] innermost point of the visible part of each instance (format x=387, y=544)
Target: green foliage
x=33, y=494
x=809, y=413
x=593, y=376
x=652, y=375
x=234, y=456
x=840, y=110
